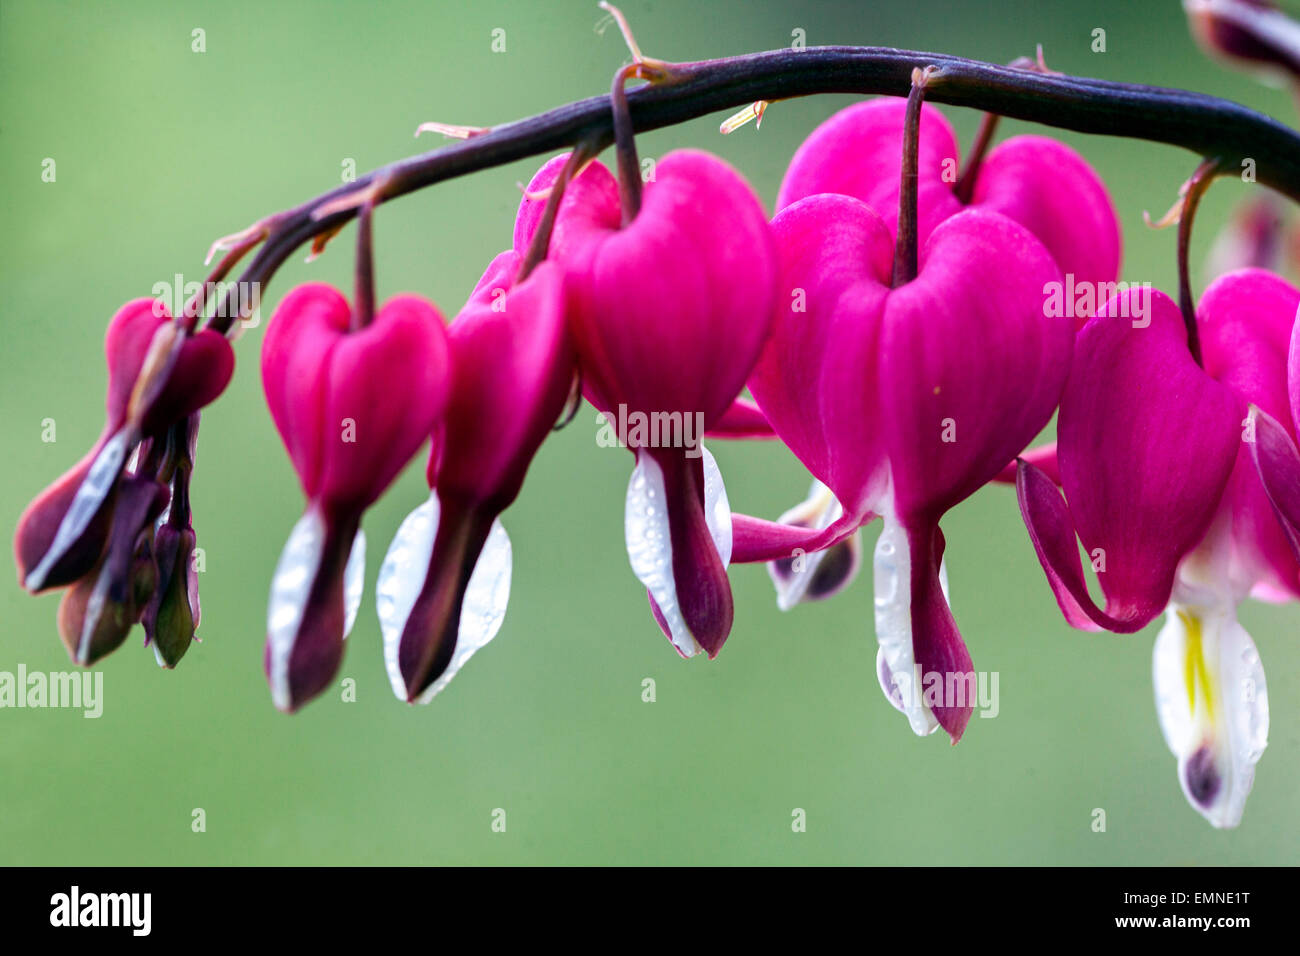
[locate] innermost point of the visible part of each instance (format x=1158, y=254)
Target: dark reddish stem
x=541, y=241
x=905, y=246
x=1196, y=187
x=965, y=188
x=363, y=309
x=1206, y=125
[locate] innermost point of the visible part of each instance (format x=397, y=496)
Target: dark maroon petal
x=699, y=574
x=308, y=616
x=171, y=616
x=97, y=614
x=937, y=645
x=39, y=525
x=429, y=637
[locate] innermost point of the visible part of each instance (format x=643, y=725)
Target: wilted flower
x=93, y=528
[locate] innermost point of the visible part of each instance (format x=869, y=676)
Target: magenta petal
x=300, y=338
x=816, y=378
x=353, y=406
x=512, y=368
x=970, y=367
x=1246, y=320
x=757, y=539
x=858, y=152
x=389, y=381
x=670, y=312
x=590, y=201
x=743, y=419
x=1146, y=442
x=1043, y=458
x=1051, y=531
x=1052, y=191
x=1278, y=464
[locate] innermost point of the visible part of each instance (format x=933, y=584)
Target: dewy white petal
x=401, y=578
x=649, y=542
x=484, y=608
x=717, y=510
x=896, y=667
x=94, y=488
x=354, y=581
x=817, y=511
x=1211, y=696
x=290, y=587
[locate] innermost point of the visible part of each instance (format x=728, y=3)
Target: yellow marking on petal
x=1195, y=669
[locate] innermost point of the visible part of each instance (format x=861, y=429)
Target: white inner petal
x=1211, y=695
x=896, y=667
x=401, y=578
x=817, y=511
x=354, y=581
x=649, y=543
x=95, y=486
x=484, y=608
x=290, y=586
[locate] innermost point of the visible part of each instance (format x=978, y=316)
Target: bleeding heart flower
x=1040, y=183
x=904, y=401
x=444, y=584
x=1156, y=464
x=669, y=313
x=93, y=528
x=352, y=405
x=62, y=534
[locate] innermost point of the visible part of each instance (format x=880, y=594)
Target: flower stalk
x=1205, y=125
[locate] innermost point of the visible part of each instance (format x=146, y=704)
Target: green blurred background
x=160, y=149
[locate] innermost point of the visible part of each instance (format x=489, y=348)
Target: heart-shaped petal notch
x=1040, y=183
x=513, y=367
x=904, y=401
x=669, y=314
x=352, y=406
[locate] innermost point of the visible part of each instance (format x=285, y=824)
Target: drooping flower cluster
x=903, y=337
x=115, y=530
